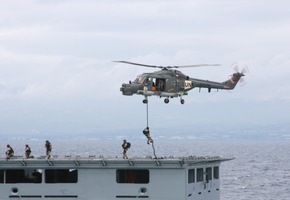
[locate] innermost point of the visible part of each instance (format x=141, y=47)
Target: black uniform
x=146, y=132
x=48, y=149
x=27, y=151
x=9, y=152
x=126, y=145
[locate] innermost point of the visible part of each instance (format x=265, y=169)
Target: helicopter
x=169, y=82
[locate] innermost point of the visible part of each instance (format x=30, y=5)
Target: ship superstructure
x=93, y=178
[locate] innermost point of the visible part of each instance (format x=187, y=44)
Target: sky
x=58, y=78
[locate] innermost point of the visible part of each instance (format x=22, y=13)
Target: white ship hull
x=190, y=178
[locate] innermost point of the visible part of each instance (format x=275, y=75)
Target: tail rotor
x=245, y=70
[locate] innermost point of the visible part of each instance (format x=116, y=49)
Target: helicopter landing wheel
x=166, y=100
x=145, y=101
x=182, y=101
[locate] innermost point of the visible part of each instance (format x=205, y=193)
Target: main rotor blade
x=168, y=67
x=143, y=65
x=200, y=65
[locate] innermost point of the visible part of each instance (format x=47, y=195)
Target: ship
x=111, y=178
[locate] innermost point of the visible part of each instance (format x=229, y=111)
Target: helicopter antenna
x=168, y=67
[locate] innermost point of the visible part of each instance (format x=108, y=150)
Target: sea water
x=260, y=170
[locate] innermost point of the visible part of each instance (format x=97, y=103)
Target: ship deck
x=108, y=162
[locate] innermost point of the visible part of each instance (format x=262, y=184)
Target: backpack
x=48, y=146
x=128, y=145
x=28, y=150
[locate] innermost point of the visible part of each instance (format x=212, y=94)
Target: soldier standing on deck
x=126, y=145
x=48, y=148
x=27, y=151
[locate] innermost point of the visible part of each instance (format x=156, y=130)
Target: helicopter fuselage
x=171, y=83
x=165, y=83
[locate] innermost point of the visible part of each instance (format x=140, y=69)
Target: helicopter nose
x=126, y=89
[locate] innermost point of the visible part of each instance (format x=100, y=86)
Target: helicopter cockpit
x=140, y=79
x=157, y=84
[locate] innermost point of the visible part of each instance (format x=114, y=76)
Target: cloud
x=56, y=59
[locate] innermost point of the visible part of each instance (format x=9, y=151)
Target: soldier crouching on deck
x=9, y=152
x=126, y=145
x=146, y=132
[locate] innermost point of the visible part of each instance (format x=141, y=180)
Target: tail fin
x=232, y=82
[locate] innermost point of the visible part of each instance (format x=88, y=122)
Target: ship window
x=216, y=173
x=199, y=175
x=23, y=176
x=1, y=176
x=61, y=176
x=208, y=175
x=191, y=175
x=132, y=176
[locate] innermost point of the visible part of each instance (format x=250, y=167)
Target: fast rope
x=154, y=150
x=147, y=113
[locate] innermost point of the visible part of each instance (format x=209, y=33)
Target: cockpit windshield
x=140, y=79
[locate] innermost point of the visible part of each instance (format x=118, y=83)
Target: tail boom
x=232, y=82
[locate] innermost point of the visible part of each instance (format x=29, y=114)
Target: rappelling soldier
x=48, y=148
x=9, y=152
x=146, y=132
x=27, y=151
x=126, y=145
